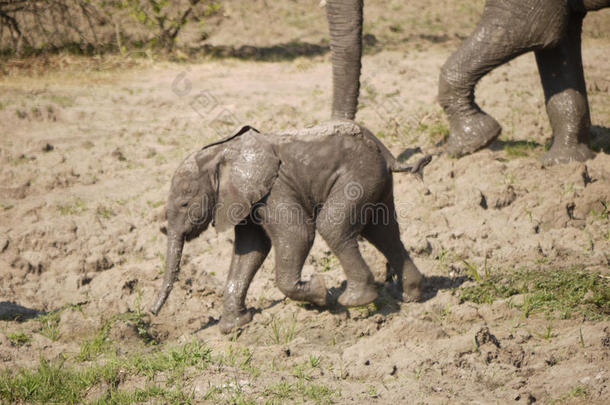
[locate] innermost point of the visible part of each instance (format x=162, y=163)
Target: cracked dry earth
x=86, y=159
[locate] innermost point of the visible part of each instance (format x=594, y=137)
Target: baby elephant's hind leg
x=384, y=234
x=340, y=229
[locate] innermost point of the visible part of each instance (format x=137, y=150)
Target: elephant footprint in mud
x=275, y=190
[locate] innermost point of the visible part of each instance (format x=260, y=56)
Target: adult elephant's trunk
x=345, y=24
x=175, y=243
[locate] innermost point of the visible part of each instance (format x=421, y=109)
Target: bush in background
x=94, y=26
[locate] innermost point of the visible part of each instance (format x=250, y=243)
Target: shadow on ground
x=600, y=139
x=280, y=52
x=286, y=51
x=9, y=311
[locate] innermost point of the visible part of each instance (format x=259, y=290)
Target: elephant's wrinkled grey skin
x=345, y=26
x=277, y=189
x=509, y=28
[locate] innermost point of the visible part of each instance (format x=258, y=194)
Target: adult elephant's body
x=508, y=28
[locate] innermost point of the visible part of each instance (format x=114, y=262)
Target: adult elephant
x=508, y=28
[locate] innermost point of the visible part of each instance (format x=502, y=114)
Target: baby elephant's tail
x=417, y=169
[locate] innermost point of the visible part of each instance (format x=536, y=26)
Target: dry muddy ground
x=517, y=256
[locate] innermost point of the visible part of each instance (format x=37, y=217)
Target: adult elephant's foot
x=469, y=133
x=560, y=153
x=359, y=294
x=231, y=322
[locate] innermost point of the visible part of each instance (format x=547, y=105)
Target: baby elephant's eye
x=184, y=204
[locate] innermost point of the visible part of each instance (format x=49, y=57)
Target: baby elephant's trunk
x=417, y=169
x=175, y=243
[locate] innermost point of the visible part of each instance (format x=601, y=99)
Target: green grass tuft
x=308, y=391
x=73, y=208
x=282, y=331
x=138, y=396
x=49, y=325
x=19, y=338
x=517, y=149
x=557, y=292
x=97, y=345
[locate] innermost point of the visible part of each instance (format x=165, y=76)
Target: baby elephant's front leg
x=249, y=251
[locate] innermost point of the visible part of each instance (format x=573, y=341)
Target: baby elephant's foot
x=412, y=294
x=413, y=287
x=229, y=322
x=318, y=291
x=471, y=133
x=356, y=295
x=559, y=154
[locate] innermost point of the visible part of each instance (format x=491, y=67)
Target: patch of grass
x=548, y=333
x=282, y=331
x=579, y=391
x=438, y=131
x=140, y=322
x=48, y=383
x=5, y=206
x=556, y=292
x=314, y=361
x=228, y=393
x=440, y=314
x=19, y=338
x=59, y=382
x=472, y=270
x=49, y=325
x=517, y=149
x=240, y=358
x=445, y=257
x=73, y=208
x=105, y=212
x=308, y=391
x=144, y=395
x=93, y=347
x=603, y=212
x=371, y=391
x=175, y=360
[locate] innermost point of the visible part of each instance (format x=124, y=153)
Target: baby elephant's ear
x=247, y=172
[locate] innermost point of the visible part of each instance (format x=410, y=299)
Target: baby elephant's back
x=333, y=155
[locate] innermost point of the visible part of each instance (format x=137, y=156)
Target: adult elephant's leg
x=565, y=92
x=345, y=25
x=507, y=29
x=249, y=251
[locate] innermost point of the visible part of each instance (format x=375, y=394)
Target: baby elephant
x=277, y=189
